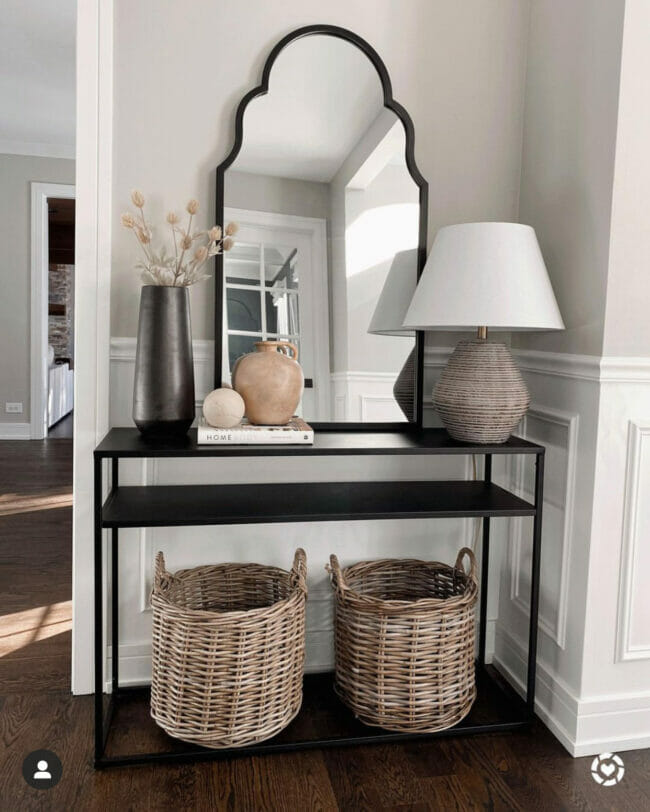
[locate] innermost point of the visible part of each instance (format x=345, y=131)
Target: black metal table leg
x=115, y=637
x=485, y=568
x=99, y=618
x=534, y=582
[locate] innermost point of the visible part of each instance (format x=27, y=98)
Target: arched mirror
x=331, y=210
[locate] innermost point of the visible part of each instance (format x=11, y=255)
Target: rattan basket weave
x=228, y=651
x=404, y=640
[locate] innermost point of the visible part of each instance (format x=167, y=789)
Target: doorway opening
x=52, y=311
x=60, y=315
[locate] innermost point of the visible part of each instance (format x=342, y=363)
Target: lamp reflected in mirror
x=388, y=320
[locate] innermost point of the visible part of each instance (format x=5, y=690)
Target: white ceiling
x=323, y=95
x=37, y=77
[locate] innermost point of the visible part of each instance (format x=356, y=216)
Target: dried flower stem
x=158, y=267
x=180, y=261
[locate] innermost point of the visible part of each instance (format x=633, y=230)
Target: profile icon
x=42, y=773
x=42, y=769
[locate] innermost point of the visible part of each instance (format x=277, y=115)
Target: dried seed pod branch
x=179, y=270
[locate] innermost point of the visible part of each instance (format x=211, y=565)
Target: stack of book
x=296, y=432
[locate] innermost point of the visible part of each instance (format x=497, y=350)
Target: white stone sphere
x=223, y=408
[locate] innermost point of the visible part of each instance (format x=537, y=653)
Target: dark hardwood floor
x=529, y=771
x=62, y=429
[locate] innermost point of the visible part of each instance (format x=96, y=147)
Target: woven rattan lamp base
x=481, y=396
x=404, y=388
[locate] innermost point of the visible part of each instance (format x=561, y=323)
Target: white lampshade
x=484, y=274
x=396, y=295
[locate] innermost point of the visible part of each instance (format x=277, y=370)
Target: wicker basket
x=228, y=651
x=405, y=641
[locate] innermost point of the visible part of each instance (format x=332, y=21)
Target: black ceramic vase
x=163, y=392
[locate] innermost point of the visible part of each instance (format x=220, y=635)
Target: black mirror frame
x=423, y=186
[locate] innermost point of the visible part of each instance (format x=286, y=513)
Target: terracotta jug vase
x=270, y=382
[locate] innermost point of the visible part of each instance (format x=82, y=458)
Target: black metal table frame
x=103, y=717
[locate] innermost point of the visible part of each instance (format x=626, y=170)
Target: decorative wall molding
x=631, y=579
x=37, y=149
x=555, y=630
x=624, y=370
x=563, y=365
x=123, y=349
x=436, y=357
x=15, y=431
x=361, y=396
x=359, y=376
x=605, y=369
x=608, y=369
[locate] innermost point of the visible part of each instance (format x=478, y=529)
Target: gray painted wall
x=16, y=174
x=567, y=170
x=627, y=325
x=302, y=198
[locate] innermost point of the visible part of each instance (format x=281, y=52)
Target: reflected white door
x=275, y=281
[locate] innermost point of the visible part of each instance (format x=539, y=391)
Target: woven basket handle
x=336, y=574
x=161, y=578
x=299, y=570
x=466, y=553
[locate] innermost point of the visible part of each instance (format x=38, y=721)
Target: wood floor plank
x=281, y=783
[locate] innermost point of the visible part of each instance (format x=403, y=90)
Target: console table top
x=128, y=442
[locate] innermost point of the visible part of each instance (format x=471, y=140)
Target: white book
x=296, y=432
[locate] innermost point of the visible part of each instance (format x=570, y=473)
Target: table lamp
x=483, y=275
x=388, y=318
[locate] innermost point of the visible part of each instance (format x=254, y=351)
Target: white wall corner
x=94, y=133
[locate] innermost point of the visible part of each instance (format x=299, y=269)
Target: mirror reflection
x=328, y=217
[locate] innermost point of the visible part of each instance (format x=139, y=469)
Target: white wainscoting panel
x=365, y=397
x=558, y=431
x=633, y=631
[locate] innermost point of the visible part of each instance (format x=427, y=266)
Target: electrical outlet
x=14, y=408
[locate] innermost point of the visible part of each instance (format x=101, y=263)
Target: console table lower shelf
x=323, y=721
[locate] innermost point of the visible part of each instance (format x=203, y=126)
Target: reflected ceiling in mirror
x=329, y=217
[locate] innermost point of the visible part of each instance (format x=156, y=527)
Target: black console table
x=123, y=715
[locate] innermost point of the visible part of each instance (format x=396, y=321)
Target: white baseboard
x=585, y=727
x=554, y=703
x=15, y=431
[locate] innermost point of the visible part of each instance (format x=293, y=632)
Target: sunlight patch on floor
x=13, y=503
x=21, y=629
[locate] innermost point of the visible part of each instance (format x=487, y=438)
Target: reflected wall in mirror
x=329, y=216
